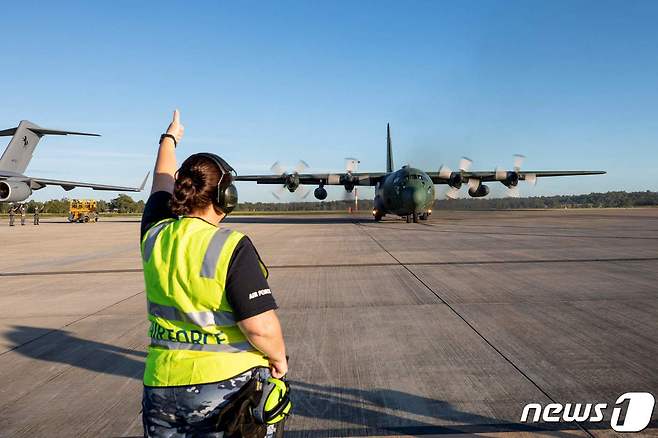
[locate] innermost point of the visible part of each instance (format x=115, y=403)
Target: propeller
x=511, y=179
x=518, y=161
x=444, y=172
x=455, y=180
x=465, y=164
x=302, y=192
x=348, y=180
x=291, y=179
x=452, y=193
x=277, y=169
x=473, y=184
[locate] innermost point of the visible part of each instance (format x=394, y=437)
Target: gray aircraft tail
x=389, y=149
x=25, y=137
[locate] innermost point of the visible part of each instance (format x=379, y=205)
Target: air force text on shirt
x=259, y=293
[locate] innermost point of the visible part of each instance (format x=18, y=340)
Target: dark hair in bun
x=196, y=185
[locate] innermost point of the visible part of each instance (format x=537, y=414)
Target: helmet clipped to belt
x=274, y=404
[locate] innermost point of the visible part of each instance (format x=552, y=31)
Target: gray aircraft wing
x=498, y=175
x=338, y=179
x=39, y=183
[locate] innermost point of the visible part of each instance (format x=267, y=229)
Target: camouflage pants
x=191, y=411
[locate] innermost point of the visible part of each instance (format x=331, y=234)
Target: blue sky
x=569, y=84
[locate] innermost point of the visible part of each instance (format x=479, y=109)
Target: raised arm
x=165, y=164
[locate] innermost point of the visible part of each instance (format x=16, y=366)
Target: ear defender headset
x=274, y=404
x=227, y=199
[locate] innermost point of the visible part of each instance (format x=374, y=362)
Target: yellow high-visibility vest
x=194, y=335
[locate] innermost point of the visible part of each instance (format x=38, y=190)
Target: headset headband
x=219, y=161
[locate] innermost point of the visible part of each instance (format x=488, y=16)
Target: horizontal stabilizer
x=24, y=140
x=8, y=132
x=44, y=131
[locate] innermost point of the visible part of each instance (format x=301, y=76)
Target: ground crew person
x=36, y=215
x=213, y=328
x=12, y=216
x=23, y=210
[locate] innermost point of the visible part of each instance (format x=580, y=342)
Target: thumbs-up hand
x=175, y=127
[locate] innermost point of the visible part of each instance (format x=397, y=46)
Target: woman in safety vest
x=212, y=322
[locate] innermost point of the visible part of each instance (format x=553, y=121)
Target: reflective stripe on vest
x=238, y=347
x=151, y=236
x=194, y=336
x=211, y=257
x=202, y=319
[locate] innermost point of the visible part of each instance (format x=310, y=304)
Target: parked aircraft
x=15, y=186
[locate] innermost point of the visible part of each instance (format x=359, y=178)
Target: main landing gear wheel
x=408, y=218
x=378, y=218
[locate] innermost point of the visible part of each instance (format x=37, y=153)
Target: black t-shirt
x=247, y=290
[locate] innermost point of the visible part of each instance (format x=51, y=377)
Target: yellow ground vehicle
x=82, y=210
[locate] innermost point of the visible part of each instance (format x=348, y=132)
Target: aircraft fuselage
x=405, y=192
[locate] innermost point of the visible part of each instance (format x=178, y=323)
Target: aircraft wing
x=491, y=175
x=39, y=183
x=338, y=179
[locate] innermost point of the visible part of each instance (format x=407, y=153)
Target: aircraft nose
x=413, y=198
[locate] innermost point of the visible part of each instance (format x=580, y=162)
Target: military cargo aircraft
x=409, y=192
x=15, y=186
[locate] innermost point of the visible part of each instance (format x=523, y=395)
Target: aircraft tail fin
x=389, y=149
x=25, y=137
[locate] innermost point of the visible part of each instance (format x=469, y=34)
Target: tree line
x=592, y=200
x=124, y=204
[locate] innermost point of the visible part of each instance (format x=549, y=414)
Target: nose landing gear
x=413, y=217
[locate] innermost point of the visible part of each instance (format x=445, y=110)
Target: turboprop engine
x=479, y=192
x=292, y=182
x=14, y=191
x=511, y=179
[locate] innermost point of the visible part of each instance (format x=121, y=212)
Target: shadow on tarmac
x=362, y=408
x=61, y=346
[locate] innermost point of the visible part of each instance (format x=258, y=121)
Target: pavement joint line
x=91, y=271
x=357, y=265
x=70, y=323
x=466, y=262
x=473, y=303
x=489, y=233
x=471, y=326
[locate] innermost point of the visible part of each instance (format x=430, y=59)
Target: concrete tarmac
x=446, y=327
